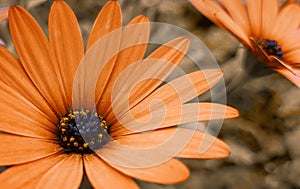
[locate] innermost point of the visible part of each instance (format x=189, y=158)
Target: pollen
x=82, y=132
x=271, y=47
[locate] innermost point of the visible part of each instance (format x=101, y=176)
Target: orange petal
x=290, y=76
x=27, y=175
x=20, y=116
x=13, y=76
x=269, y=14
x=132, y=49
x=174, y=115
x=206, y=11
x=212, y=147
x=255, y=15
x=184, y=88
x=99, y=60
x=139, y=80
x=293, y=56
x=290, y=42
x=66, y=42
x=287, y=21
x=17, y=149
x=109, y=19
x=183, y=143
x=37, y=58
x=102, y=175
x=238, y=13
x=170, y=172
x=67, y=173
x=3, y=13
x=230, y=25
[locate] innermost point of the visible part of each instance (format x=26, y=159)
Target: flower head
x=56, y=126
x=269, y=30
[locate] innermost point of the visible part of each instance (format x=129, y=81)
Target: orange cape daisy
x=40, y=141
x=268, y=29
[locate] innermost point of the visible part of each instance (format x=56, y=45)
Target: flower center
x=82, y=132
x=271, y=47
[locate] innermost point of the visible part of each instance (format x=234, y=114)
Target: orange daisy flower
x=50, y=140
x=268, y=29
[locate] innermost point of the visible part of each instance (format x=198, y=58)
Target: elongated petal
x=269, y=14
x=20, y=116
x=13, y=76
x=206, y=11
x=238, y=12
x=66, y=42
x=255, y=15
x=67, y=173
x=183, y=143
x=100, y=58
x=172, y=116
x=3, y=13
x=290, y=76
x=181, y=90
x=27, y=175
x=287, y=21
x=170, y=172
x=139, y=80
x=17, y=149
x=102, y=175
x=109, y=19
x=132, y=50
x=37, y=58
x=232, y=27
x=293, y=56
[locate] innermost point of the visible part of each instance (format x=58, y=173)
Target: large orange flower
x=268, y=29
x=50, y=140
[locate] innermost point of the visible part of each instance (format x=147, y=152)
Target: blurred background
x=264, y=139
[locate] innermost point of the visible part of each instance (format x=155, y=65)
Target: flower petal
x=255, y=15
x=100, y=58
x=27, y=175
x=3, y=13
x=37, y=58
x=181, y=90
x=173, y=115
x=102, y=175
x=170, y=172
x=142, y=78
x=66, y=42
x=293, y=56
x=206, y=11
x=226, y=21
x=183, y=143
x=270, y=10
x=108, y=19
x=20, y=116
x=13, y=76
x=290, y=76
x=287, y=21
x=216, y=149
x=238, y=12
x=132, y=50
x=17, y=149
x=67, y=173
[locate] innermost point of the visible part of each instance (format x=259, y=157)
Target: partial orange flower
x=268, y=29
x=53, y=134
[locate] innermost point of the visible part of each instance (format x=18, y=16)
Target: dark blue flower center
x=82, y=132
x=271, y=47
